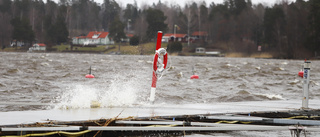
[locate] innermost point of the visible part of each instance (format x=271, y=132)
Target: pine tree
x=116, y=30
x=155, y=19
x=22, y=31
x=314, y=29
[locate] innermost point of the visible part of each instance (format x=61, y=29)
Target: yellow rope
x=229, y=122
x=161, y=126
x=69, y=134
x=245, y=122
x=294, y=117
x=75, y=134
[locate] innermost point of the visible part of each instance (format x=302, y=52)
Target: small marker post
x=306, y=81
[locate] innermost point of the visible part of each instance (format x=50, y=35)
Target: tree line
x=286, y=29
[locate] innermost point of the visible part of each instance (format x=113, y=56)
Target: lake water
x=59, y=79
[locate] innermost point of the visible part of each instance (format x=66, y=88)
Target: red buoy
x=89, y=76
x=300, y=74
x=194, y=77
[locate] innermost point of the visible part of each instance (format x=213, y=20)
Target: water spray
x=159, y=65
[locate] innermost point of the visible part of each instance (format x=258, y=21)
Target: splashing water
x=78, y=96
x=119, y=92
x=59, y=79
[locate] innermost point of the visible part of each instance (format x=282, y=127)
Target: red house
x=169, y=37
x=200, y=36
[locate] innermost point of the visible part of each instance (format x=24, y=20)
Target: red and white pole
x=154, y=75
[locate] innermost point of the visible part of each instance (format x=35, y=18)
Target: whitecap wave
x=116, y=93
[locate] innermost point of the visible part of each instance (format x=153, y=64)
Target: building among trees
x=286, y=29
x=38, y=47
x=200, y=36
x=170, y=37
x=93, y=38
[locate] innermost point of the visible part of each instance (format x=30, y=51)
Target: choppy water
x=125, y=80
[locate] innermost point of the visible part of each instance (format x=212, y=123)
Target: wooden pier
x=173, y=120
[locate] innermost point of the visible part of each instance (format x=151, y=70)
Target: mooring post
x=306, y=80
x=154, y=75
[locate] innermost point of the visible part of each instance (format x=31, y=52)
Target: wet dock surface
x=25, y=117
x=180, y=120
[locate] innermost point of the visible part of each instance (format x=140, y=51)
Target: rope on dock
x=158, y=123
x=70, y=134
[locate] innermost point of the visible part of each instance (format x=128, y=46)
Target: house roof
x=41, y=44
x=130, y=35
x=99, y=34
x=177, y=35
x=199, y=33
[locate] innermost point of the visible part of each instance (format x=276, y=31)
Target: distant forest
x=286, y=29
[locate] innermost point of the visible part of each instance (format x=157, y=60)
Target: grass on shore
x=255, y=55
x=142, y=49
x=61, y=48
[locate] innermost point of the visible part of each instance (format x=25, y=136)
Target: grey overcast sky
x=183, y=2
x=123, y=3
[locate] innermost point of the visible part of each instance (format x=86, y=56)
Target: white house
x=93, y=38
x=38, y=47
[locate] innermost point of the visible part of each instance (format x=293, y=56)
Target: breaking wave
x=125, y=80
x=115, y=93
